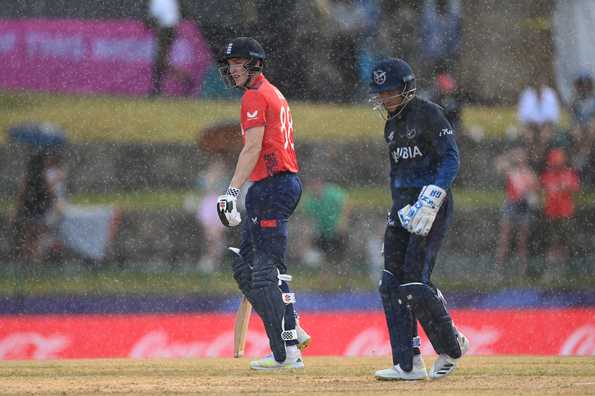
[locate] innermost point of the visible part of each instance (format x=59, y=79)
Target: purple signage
x=87, y=56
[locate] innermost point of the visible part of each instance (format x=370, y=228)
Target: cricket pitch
x=476, y=375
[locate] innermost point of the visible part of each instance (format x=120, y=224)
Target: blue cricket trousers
x=269, y=204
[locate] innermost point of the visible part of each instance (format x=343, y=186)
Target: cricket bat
x=240, y=330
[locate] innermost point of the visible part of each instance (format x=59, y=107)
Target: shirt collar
x=257, y=81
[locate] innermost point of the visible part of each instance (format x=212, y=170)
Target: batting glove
x=418, y=219
x=227, y=208
x=403, y=215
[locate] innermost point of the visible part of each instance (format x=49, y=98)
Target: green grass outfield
x=160, y=279
x=125, y=119
x=477, y=375
x=361, y=198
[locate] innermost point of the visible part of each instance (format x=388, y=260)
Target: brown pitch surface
x=517, y=375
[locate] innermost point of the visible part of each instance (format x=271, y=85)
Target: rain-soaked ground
x=518, y=375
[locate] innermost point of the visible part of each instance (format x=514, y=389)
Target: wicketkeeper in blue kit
x=424, y=161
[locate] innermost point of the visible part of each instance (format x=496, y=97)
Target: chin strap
x=251, y=77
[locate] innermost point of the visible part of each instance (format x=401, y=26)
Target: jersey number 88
x=286, y=127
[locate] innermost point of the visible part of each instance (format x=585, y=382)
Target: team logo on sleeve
x=391, y=135
x=253, y=115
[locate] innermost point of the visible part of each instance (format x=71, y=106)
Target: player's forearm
x=448, y=169
x=246, y=162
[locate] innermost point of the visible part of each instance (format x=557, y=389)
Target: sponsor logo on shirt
x=406, y=153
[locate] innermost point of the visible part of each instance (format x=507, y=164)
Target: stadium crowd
x=329, y=59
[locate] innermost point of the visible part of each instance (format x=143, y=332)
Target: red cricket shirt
x=558, y=186
x=264, y=105
x=519, y=183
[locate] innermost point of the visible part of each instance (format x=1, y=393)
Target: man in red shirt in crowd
x=559, y=183
x=268, y=159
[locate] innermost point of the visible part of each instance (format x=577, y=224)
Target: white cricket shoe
x=396, y=373
x=292, y=361
x=303, y=338
x=444, y=364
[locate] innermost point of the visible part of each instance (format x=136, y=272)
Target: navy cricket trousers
x=269, y=204
x=410, y=257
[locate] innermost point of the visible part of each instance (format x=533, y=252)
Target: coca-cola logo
x=374, y=341
x=581, y=342
x=370, y=342
x=157, y=344
x=32, y=345
x=481, y=340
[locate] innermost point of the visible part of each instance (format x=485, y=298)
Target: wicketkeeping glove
x=418, y=219
x=227, y=208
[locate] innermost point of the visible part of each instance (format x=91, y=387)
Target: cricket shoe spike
x=444, y=364
x=396, y=373
x=268, y=363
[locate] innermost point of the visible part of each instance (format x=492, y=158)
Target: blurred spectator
x=206, y=215
x=275, y=22
x=583, y=127
x=521, y=196
x=46, y=222
x=407, y=29
x=539, y=115
x=559, y=183
x=441, y=34
x=538, y=104
x=39, y=202
x=350, y=21
x=163, y=18
x=327, y=207
x=446, y=95
x=583, y=101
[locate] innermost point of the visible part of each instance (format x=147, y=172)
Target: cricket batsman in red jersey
x=268, y=159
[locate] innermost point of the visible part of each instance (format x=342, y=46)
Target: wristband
x=234, y=192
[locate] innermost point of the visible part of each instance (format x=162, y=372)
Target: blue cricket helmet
x=242, y=47
x=392, y=74
x=245, y=48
